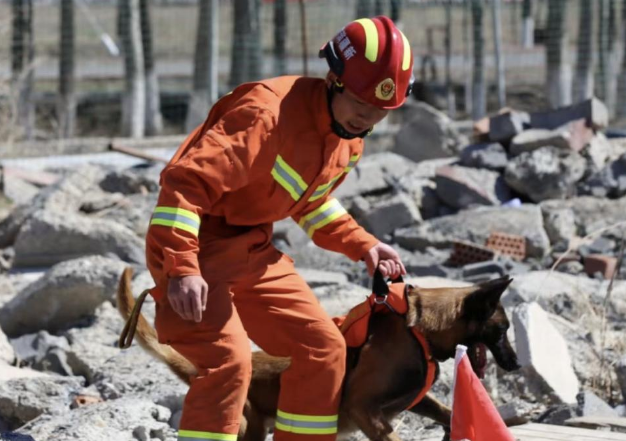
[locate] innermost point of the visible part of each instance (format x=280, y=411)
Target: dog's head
x=472, y=316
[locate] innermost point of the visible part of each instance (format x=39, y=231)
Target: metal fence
x=549, y=52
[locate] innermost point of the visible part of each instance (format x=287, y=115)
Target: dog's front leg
x=372, y=423
x=434, y=409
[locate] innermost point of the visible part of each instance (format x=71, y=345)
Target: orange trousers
x=255, y=292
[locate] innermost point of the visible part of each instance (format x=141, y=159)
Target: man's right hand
x=188, y=296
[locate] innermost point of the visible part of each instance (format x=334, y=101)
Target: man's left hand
x=386, y=259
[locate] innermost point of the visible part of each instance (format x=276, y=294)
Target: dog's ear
x=379, y=286
x=482, y=303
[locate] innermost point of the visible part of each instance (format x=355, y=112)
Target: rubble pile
x=538, y=196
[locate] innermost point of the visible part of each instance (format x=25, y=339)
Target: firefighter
x=269, y=150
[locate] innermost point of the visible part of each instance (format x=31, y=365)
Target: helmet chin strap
x=337, y=128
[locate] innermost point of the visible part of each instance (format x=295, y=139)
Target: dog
x=385, y=374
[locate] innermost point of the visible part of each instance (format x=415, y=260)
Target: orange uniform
x=265, y=152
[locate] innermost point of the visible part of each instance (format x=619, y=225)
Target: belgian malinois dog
x=385, y=374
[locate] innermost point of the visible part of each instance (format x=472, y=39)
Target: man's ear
x=483, y=302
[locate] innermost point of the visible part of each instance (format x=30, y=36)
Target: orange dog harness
x=354, y=327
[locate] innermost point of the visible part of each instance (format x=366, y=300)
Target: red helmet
x=373, y=59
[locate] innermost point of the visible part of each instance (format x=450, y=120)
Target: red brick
x=508, y=244
x=600, y=263
x=466, y=252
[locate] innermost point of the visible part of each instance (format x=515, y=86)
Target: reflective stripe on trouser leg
x=306, y=424
x=194, y=435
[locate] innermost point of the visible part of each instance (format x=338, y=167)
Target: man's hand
x=188, y=296
x=386, y=258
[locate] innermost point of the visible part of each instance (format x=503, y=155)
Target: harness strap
x=128, y=333
x=431, y=367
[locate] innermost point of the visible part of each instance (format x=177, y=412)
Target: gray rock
x=482, y=271
x=423, y=192
x=608, y=182
x=68, y=292
x=592, y=110
x=133, y=212
x=316, y=278
x=503, y=127
x=533, y=139
x=7, y=353
x=599, y=152
x=98, y=201
x=23, y=400
x=546, y=173
x=573, y=268
x=51, y=237
x=589, y=404
x=105, y=421
x=373, y=174
x=130, y=181
x=10, y=436
x=560, y=223
x=476, y=226
x=387, y=214
x=592, y=213
x=462, y=187
x=558, y=414
x=64, y=196
x=543, y=354
x=491, y=156
x=620, y=370
x=43, y=352
x=428, y=134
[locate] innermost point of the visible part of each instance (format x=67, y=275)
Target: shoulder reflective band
x=193, y=435
x=306, y=424
x=288, y=178
x=325, y=188
x=322, y=216
x=176, y=218
x=371, y=38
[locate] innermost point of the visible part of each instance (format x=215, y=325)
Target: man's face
x=354, y=114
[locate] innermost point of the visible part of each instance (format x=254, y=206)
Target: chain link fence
x=471, y=56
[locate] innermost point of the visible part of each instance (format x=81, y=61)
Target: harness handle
x=128, y=333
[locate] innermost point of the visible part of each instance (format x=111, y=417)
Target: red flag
x=474, y=416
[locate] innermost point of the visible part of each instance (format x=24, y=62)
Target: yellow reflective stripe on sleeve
x=306, y=424
x=176, y=218
x=371, y=38
x=325, y=188
x=322, y=216
x=194, y=435
x=406, y=58
x=289, y=179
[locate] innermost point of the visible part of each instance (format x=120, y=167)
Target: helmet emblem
x=385, y=89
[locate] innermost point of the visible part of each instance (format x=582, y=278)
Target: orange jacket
x=265, y=152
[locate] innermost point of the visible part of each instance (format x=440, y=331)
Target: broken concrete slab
x=593, y=111
x=23, y=400
x=543, y=354
x=503, y=127
x=546, y=173
x=591, y=405
x=476, y=226
x=50, y=237
x=490, y=156
x=428, y=134
x=572, y=136
x=67, y=293
x=122, y=419
x=386, y=215
x=463, y=187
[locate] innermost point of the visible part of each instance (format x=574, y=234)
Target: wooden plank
x=546, y=432
x=136, y=153
x=617, y=424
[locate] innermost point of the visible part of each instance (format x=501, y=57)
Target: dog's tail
x=146, y=334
